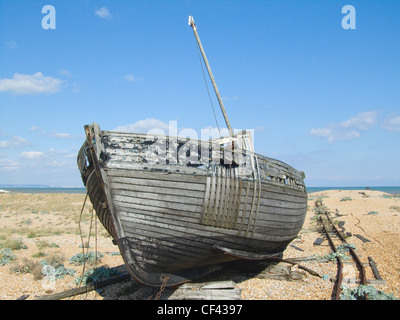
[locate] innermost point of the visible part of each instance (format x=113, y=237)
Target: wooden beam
x=85, y=289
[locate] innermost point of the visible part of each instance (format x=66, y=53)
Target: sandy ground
x=50, y=227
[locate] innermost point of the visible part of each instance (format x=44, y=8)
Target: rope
x=208, y=91
x=81, y=235
x=88, y=242
x=84, y=149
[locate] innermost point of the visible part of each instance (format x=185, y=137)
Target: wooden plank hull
x=180, y=222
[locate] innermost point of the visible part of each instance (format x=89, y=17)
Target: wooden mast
x=193, y=25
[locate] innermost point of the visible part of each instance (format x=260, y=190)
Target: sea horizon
x=387, y=189
x=82, y=190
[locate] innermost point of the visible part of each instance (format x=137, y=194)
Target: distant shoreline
x=390, y=190
x=44, y=190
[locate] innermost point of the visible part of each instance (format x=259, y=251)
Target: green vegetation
x=320, y=209
x=341, y=252
x=96, y=275
x=373, y=212
x=90, y=257
x=361, y=291
x=39, y=254
x=29, y=266
x=396, y=208
x=6, y=256
x=320, y=197
x=346, y=199
x=14, y=244
x=44, y=244
x=52, y=268
x=57, y=271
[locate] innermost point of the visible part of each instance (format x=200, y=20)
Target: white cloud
x=11, y=45
x=52, y=158
x=129, y=77
x=32, y=155
x=8, y=165
x=132, y=78
x=65, y=72
x=30, y=84
x=54, y=134
x=34, y=128
x=150, y=125
x=103, y=13
x=348, y=129
x=62, y=135
x=362, y=121
x=15, y=142
x=392, y=124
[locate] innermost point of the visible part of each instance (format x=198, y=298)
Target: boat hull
x=181, y=223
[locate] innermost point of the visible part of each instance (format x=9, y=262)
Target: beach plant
x=14, y=244
x=341, y=252
x=320, y=209
x=81, y=258
x=39, y=254
x=373, y=212
x=96, y=275
x=360, y=292
x=56, y=272
x=396, y=208
x=24, y=268
x=346, y=199
x=6, y=256
x=317, y=197
x=44, y=244
x=31, y=234
x=28, y=266
x=27, y=222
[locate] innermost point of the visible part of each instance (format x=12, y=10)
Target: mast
x=193, y=25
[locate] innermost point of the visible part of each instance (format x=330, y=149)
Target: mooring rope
x=88, y=242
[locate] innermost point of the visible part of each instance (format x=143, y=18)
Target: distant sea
x=46, y=190
x=391, y=190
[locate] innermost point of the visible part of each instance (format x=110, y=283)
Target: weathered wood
x=218, y=290
x=363, y=239
x=374, y=268
x=166, y=217
x=85, y=289
x=280, y=272
x=318, y=241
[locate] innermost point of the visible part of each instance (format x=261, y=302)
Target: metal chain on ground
x=164, y=279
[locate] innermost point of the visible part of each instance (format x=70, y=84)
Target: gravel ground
x=46, y=227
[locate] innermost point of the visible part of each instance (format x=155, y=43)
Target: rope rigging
x=208, y=91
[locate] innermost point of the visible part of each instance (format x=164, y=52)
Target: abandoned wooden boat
x=176, y=207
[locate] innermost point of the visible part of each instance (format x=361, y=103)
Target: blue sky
x=320, y=97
